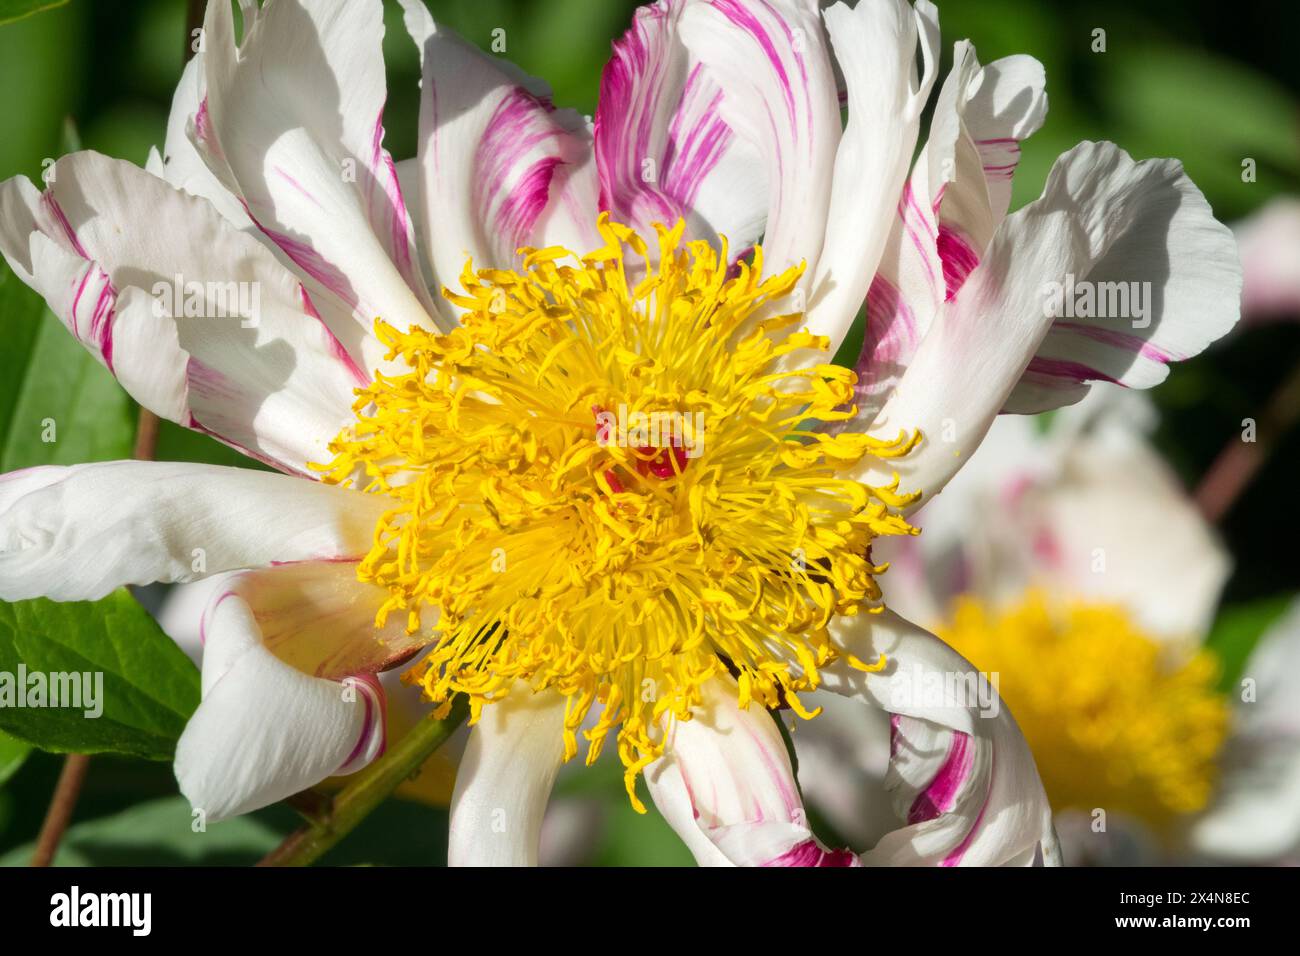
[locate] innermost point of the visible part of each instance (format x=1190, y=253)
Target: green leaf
x=158, y=833
x=149, y=687
x=58, y=405
x=17, y=9
x=13, y=753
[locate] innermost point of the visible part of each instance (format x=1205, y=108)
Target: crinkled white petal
x=265, y=730
x=199, y=320
x=963, y=776
x=76, y=533
x=876, y=46
x=1101, y=216
x=293, y=126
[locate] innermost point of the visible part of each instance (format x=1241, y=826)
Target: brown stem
x=146, y=436
x=1240, y=461
x=62, y=804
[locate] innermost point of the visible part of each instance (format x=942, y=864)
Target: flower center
x=1115, y=719
x=604, y=485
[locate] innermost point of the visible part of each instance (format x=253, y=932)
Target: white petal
x=198, y=319
x=294, y=127
x=264, y=730
x=843, y=757
x=1005, y=105
x=316, y=616
x=1255, y=817
x=180, y=163
x=663, y=149
x=1114, y=495
x=1269, y=242
x=1101, y=216
x=963, y=774
x=950, y=206
x=779, y=95
x=505, y=780
x=77, y=533
x=875, y=45
x=494, y=154
x=732, y=768
x=1146, y=225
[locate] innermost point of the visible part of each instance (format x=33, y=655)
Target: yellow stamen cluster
x=623, y=573
x=1115, y=719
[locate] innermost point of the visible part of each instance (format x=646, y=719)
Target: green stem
x=367, y=790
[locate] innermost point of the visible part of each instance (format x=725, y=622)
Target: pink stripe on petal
x=61, y=218
x=959, y=259
x=810, y=853
x=517, y=159
x=940, y=794
x=335, y=346
x=1126, y=341
x=955, y=857
x=375, y=720
x=1074, y=372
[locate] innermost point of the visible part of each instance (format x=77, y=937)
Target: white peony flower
x=482, y=494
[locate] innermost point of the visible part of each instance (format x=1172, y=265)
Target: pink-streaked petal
x=180, y=163
x=771, y=61
x=293, y=125
x=1005, y=105
x=1102, y=217
x=500, y=167
x=663, y=149
x=1151, y=237
x=963, y=780
x=732, y=768
x=948, y=211
x=199, y=320
x=77, y=533
x=888, y=84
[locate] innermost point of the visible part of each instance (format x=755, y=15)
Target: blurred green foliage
x=1209, y=83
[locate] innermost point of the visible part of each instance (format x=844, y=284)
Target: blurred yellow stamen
x=1116, y=720
x=619, y=569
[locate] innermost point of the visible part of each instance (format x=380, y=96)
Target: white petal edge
x=504, y=780
x=726, y=777
x=1097, y=203
x=77, y=533
x=264, y=730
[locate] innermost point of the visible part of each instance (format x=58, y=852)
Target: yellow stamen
x=624, y=570
x=1115, y=719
